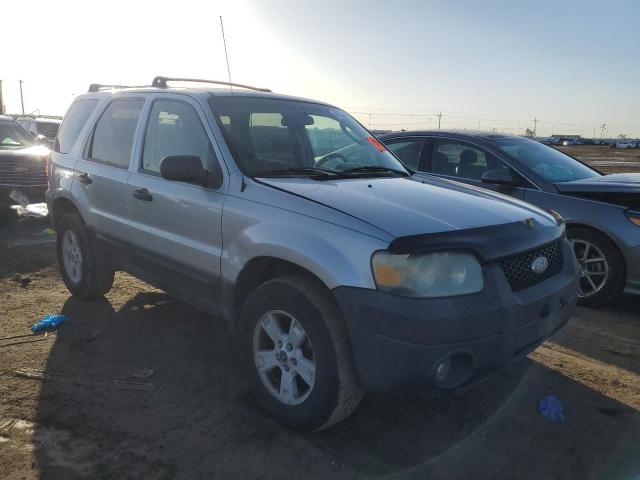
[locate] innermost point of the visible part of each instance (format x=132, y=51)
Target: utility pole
x=21, y=97
x=603, y=126
x=439, y=118
x=1, y=102
x=535, y=126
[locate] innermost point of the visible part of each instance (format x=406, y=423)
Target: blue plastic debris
x=551, y=408
x=49, y=322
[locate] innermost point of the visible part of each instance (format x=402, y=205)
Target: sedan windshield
x=13, y=136
x=275, y=137
x=549, y=163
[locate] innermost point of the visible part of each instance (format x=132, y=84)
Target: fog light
x=443, y=370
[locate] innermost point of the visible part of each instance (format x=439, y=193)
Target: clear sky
x=394, y=64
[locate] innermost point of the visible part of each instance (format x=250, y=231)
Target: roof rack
x=96, y=87
x=161, y=82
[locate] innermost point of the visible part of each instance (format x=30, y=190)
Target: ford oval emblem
x=540, y=265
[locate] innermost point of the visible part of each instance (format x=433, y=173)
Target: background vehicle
x=45, y=126
x=602, y=211
x=22, y=163
x=626, y=144
x=338, y=273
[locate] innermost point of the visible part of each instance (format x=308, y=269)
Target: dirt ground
x=608, y=160
x=138, y=385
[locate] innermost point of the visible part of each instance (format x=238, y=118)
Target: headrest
x=468, y=157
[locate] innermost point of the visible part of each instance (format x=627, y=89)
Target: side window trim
x=87, y=149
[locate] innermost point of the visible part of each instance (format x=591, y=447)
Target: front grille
x=23, y=174
x=518, y=268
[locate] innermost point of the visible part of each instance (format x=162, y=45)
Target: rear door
x=409, y=150
x=176, y=226
x=467, y=162
x=102, y=172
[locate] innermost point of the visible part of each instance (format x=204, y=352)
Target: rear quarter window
x=72, y=124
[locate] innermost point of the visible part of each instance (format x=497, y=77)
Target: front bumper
x=35, y=193
x=632, y=259
x=399, y=342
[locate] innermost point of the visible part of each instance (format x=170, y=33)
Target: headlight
x=557, y=217
x=634, y=217
x=430, y=275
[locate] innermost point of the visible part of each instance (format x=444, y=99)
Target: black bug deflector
x=489, y=243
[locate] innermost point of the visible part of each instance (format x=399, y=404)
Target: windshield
x=547, y=162
x=273, y=136
x=12, y=136
x=48, y=129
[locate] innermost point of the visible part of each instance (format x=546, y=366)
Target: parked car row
x=22, y=163
x=342, y=264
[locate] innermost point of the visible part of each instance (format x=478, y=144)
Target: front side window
x=174, y=128
x=549, y=163
x=73, y=122
x=460, y=159
x=270, y=136
x=14, y=136
x=112, y=139
x=408, y=150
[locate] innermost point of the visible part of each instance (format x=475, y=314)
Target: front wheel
x=296, y=353
x=602, y=268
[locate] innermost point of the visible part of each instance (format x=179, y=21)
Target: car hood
x=614, y=183
x=34, y=151
x=401, y=207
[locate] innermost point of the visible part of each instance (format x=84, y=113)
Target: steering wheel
x=330, y=156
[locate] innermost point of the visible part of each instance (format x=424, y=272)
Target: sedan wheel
x=594, y=268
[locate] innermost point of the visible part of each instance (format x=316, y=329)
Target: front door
x=176, y=226
x=465, y=162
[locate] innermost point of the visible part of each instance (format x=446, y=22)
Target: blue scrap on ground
x=552, y=408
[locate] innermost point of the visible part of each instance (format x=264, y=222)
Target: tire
x=335, y=392
x=601, y=245
x=90, y=279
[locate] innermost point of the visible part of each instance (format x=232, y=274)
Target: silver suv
x=289, y=221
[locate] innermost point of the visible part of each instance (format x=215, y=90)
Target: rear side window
x=73, y=122
x=408, y=150
x=175, y=129
x=112, y=139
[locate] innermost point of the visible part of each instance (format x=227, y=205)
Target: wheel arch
x=60, y=207
x=583, y=226
x=262, y=269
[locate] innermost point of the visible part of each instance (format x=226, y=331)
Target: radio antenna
x=226, y=55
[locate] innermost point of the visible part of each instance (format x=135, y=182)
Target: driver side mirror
x=184, y=168
x=500, y=176
x=44, y=141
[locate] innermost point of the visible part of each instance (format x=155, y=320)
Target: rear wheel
x=296, y=354
x=81, y=271
x=602, y=268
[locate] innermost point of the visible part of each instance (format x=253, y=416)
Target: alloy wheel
x=284, y=357
x=594, y=268
x=72, y=256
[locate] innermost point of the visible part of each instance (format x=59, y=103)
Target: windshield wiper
x=374, y=169
x=292, y=172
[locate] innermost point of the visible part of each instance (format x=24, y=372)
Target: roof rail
x=96, y=87
x=161, y=82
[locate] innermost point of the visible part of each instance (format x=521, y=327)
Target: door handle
x=143, y=194
x=84, y=178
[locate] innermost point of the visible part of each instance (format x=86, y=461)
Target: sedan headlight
x=442, y=274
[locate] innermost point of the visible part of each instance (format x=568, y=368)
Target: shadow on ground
x=154, y=390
